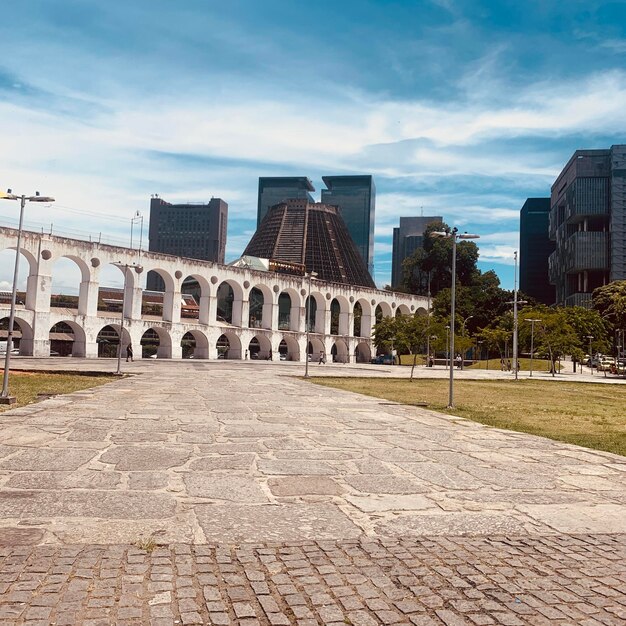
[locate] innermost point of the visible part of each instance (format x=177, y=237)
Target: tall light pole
x=5, y=398
x=126, y=267
x=447, y=344
x=532, y=341
x=428, y=323
x=137, y=218
x=454, y=235
x=310, y=275
x=590, y=337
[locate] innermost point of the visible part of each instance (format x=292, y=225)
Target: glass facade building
x=275, y=189
x=356, y=198
x=588, y=224
x=535, y=248
x=407, y=238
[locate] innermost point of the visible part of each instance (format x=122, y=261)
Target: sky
x=459, y=108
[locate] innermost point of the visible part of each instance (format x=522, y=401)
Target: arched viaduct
x=261, y=313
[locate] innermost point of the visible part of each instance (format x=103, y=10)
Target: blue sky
x=459, y=108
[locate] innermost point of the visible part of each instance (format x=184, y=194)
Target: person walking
x=129, y=353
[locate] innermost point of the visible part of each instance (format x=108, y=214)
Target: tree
x=432, y=263
x=610, y=302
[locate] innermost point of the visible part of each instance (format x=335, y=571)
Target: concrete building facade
x=535, y=248
x=194, y=230
x=588, y=224
x=407, y=238
x=340, y=325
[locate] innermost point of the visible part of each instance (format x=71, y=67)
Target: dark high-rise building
x=588, y=224
x=356, y=198
x=313, y=235
x=535, y=248
x=192, y=230
x=276, y=189
x=407, y=238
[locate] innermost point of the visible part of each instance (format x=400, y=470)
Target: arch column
x=88, y=298
x=270, y=315
x=38, y=291
x=367, y=324
x=241, y=311
x=171, y=306
x=132, y=301
x=346, y=319
x=204, y=314
x=323, y=325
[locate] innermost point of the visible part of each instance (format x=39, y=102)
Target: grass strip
x=584, y=414
x=27, y=387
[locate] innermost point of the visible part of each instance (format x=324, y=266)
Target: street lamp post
x=311, y=275
x=447, y=345
x=532, y=341
x=138, y=217
x=5, y=398
x=454, y=235
x=590, y=337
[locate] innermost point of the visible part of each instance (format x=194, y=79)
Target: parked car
x=382, y=359
x=606, y=364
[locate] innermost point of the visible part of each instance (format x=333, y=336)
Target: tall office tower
x=407, y=238
x=193, y=230
x=356, y=198
x=535, y=248
x=275, y=189
x=588, y=224
x=311, y=234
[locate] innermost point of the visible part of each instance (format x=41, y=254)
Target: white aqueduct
x=348, y=337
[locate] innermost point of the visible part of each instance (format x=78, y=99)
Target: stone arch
x=27, y=275
x=339, y=352
x=162, y=281
x=156, y=342
x=317, y=323
x=199, y=288
x=421, y=311
x=107, y=340
x=229, y=303
x=22, y=334
x=383, y=309
x=67, y=338
x=365, y=326
x=289, y=302
x=260, y=307
x=403, y=309
x=260, y=347
x=195, y=345
x=289, y=348
x=76, y=288
x=335, y=314
x=228, y=346
x=363, y=352
x=315, y=349
x=345, y=315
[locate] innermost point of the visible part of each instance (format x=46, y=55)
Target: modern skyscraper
x=313, y=235
x=356, y=198
x=407, y=238
x=192, y=230
x=535, y=248
x=588, y=224
x=275, y=189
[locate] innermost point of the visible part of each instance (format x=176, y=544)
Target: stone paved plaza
x=274, y=501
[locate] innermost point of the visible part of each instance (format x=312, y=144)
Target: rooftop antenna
x=422, y=211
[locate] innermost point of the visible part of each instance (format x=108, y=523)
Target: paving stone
x=142, y=458
x=223, y=462
x=220, y=487
x=305, y=485
x=49, y=459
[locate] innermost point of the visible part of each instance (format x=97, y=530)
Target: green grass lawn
x=585, y=414
x=26, y=386
x=539, y=365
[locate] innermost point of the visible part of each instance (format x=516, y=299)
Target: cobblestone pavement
x=509, y=581
x=274, y=501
